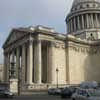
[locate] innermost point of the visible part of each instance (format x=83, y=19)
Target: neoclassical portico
x=29, y=57
x=28, y=60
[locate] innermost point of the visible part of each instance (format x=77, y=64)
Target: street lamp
x=57, y=70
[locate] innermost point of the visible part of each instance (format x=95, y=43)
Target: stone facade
x=33, y=57
x=39, y=57
x=83, y=61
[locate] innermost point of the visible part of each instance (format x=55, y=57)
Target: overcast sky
x=24, y=13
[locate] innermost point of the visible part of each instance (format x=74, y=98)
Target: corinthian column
x=74, y=24
x=78, y=19
x=68, y=27
x=8, y=66
x=30, y=63
x=38, y=62
x=92, y=21
x=5, y=73
x=13, y=56
x=51, y=70
x=71, y=25
x=23, y=63
x=87, y=20
x=13, y=75
x=97, y=23
x=82, y=21
x=17, y=62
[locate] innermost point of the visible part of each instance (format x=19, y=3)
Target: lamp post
x=57, y=70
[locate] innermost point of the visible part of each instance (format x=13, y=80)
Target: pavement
x=35, y=96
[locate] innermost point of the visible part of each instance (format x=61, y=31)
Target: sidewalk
x=35, y=92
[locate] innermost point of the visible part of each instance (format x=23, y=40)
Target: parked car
x=86, y=94
x=54, y=91
x=89, y=85
x=58, y=91
x=73, y=88
x=6, y=93
x=68, y=91
x=51, y=91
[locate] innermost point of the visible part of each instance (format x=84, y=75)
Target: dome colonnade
x=85, y=14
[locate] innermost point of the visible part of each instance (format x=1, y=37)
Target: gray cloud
x=16, y=11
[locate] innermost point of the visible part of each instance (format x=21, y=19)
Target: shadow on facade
x=92, y=66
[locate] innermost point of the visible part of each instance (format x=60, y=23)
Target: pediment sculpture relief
x=15, y=36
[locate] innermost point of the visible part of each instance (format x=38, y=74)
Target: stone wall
x=84, y=64
x=59, y=56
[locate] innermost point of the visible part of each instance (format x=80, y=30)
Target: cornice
x=84, y=49
x=83, y=42
x=34, y=33
x=83, y=2
x=58, y=45
x=79, y=32
x=83, y=46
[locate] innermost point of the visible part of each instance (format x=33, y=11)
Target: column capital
x=37, y=41
x=52, y=44
x=30, y=42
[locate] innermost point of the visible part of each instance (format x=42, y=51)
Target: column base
x=13, y=85
x=40, y=87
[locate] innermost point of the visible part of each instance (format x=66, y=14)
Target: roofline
x=33, y=31
x=81, y=41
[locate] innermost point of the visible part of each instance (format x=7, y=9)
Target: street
x=35, y=97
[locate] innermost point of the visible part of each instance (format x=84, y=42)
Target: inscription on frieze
x=89, y=50
x=59, y=45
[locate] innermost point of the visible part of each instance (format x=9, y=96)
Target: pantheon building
x=39, y=57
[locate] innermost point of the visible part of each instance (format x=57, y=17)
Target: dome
x=80, y=1
x=85, y=4
x=83, y=19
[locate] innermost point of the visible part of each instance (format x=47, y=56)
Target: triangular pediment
x=13, y=36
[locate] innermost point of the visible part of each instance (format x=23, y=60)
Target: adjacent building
x=38, y=57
